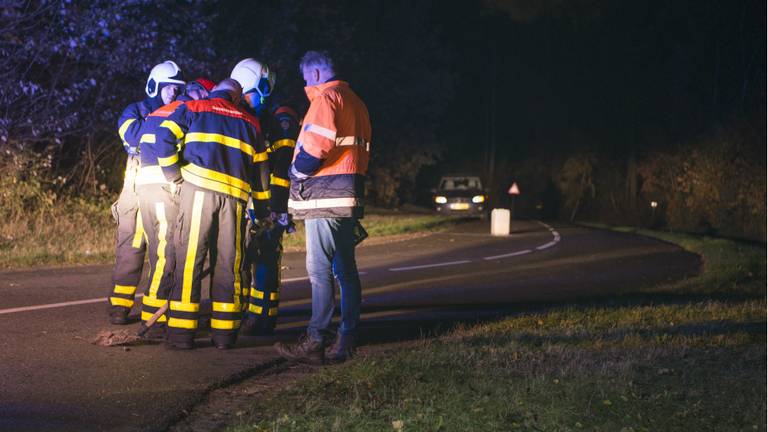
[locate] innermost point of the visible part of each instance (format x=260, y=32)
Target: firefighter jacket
x=282, y=129
x=130, y=121
x=221, y=149
x=331, y=155
x=150, y=171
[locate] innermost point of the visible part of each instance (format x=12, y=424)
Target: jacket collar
x=220, y=94
x=317, y=90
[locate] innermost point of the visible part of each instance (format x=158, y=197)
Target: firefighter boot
x=257, y=326
x=118, y=315
x=156, y=332
x=306, y=350
x=342, y=350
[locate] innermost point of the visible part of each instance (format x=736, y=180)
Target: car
x=460, y=195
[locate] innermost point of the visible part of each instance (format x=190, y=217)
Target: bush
x=714, y=185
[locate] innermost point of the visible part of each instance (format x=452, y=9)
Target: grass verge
x=80, y=231
x=697, y=362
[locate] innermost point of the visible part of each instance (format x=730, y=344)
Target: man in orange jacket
x=327, y=186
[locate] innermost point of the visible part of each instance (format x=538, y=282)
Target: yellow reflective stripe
x=207, y=178
x=223, y=140
x=256, y=293
x=274, y=296
x=272, y=312
x=185, y=307
x=124, y=127
x=173, y=127
x=194, y=237
x=257, y=195
x=153, y=301
x=162, y=232
x=255, y=309
x=168, y=161
x=139, y=234
x=238, y=257
x=145, y=316
x=125, y=289
x=182, y=323
x=282, y=143
x=217, y=187
x=225, y=307
x=117, y=301
x=148, y=138
x=225, y=324
x=260, y=157
x=279, y=181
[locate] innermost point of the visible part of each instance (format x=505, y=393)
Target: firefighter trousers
x=209, y=223
x=159, y=210
x=130, y=243
x=262, y=270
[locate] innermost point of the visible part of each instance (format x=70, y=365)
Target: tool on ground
x=124, y=337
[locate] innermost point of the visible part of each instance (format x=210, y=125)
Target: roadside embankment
x=688, y=355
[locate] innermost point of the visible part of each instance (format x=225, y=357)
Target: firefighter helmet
x=249, y=73
x=165, y=72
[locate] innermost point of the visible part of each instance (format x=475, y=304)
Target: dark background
x=594, y=107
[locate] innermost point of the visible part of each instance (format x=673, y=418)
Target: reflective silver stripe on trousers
x=151, y=175
x=323, y=203
x=351, y=141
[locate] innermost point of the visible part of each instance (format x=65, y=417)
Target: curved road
x=53, y=379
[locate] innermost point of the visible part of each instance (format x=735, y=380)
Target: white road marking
x=98, y=300
x=522, y=252
x=555, y=240
x=555, y=234
x=396, y=269
x=546, y=245
x=52, y=305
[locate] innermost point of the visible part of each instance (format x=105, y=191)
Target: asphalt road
x=53, y=379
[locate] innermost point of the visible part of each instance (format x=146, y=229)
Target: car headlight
x=478, y=198
x=441, y=199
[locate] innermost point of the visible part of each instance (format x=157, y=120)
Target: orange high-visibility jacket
x=336, y=134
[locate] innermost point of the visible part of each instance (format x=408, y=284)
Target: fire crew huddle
x=215, y=174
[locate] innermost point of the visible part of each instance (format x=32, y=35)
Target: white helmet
x=249, y=72
x=165, y=72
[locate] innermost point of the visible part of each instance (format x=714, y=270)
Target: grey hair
x=318, y=59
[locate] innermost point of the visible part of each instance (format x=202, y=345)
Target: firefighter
x=163, y=86
x=158, y=207
x=264, y=247
x=221, y=164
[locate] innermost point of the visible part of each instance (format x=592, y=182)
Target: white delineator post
x=500, y=222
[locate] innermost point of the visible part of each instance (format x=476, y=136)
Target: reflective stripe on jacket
x=222, y=148
x=283, y=127
x=129, y=125
x=150, y=171
x=337, y=133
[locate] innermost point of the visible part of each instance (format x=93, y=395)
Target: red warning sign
x=514, y=190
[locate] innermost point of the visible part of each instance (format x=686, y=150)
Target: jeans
x=331, y=253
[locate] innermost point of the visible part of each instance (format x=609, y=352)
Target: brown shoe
x=305, y=351
x=342, y=350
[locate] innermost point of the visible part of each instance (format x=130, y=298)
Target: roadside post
x=513, y=192
x=500, y=222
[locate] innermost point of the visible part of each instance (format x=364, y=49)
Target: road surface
x=53, y=379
